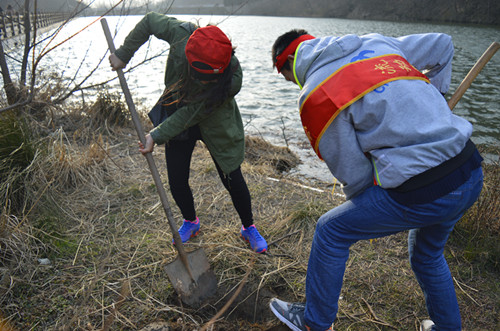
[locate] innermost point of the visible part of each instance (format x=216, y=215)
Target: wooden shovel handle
x=149, y=156
x=481, y=62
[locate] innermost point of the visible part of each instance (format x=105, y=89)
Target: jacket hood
x=316, y=53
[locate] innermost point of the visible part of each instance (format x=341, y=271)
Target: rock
x=157, y=326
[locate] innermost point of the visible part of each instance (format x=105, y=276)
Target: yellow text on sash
x=347, y=85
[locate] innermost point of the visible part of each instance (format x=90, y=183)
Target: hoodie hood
x=318, y=53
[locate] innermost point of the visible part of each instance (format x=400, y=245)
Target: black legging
x=178, y=156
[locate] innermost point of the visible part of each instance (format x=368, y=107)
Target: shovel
x=474, y=71
x=190, y=273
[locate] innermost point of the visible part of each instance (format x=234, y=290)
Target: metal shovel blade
x=194, y=290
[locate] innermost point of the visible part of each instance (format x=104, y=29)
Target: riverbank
x=85, y=247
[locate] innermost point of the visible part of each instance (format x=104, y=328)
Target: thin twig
x=375, y=318
x=124, y=293
x=467, y=294
x=285, y=236
x=230, y=301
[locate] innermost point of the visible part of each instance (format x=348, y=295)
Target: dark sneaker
x=189, y=230
x=251, y=235
x=292, y=314
x=426, y=325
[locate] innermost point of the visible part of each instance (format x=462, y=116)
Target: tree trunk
x=10, y=89
x=27, y=36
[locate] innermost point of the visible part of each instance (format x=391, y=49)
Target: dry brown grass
x=95, y=215
x=478, y=231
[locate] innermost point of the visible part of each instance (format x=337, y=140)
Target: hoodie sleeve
x=431, y=53
x=344, y=157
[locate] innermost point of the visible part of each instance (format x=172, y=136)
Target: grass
x=478, y=231
x=16, y=154
x=90, y=208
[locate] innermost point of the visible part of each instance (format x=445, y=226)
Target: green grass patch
x=17, y=151
x=51, y=231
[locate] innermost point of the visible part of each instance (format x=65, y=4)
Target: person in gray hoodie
x=405, y=161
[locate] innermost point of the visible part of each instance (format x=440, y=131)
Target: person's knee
x=328, y=231
x=420, y=260
x=329, y=223
x=179, y=185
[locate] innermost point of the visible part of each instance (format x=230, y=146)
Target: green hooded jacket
x=222, y=128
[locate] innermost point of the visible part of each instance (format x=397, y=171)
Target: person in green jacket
x=202, y=77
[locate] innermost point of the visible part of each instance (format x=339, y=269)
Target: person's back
x=405, y=124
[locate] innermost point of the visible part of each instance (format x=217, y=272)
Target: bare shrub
x=108, y=110
x=478, y=231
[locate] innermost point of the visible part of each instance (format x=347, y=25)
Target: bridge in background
x=13, y=23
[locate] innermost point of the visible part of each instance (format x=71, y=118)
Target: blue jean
x=374, y=214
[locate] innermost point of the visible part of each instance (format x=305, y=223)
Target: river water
x=267, y=102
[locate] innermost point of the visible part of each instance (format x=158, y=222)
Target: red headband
x=283, y=57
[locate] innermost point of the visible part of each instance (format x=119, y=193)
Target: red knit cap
x=209, y=50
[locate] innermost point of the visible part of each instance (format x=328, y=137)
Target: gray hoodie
x=397, y=131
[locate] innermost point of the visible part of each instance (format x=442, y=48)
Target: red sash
x=347, y=85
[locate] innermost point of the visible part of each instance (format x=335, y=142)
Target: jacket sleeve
x=161, y=26
x=237, y=78
x=182, y=119
x=431, y=53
